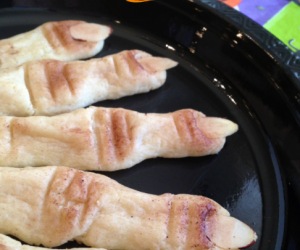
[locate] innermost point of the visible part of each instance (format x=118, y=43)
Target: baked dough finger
x=53, y=205
x=108, y=139
x=7, y=243
x=64, y=40
x=50, y=87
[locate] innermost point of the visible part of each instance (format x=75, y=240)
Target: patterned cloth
x=280, y=17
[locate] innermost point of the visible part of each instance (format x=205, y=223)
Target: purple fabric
x=261, y=10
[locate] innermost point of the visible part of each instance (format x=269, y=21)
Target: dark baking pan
x=228, y=67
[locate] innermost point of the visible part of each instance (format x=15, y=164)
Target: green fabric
x=286, y=25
